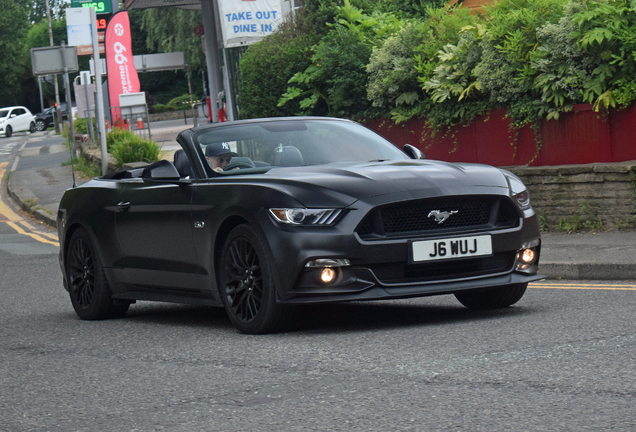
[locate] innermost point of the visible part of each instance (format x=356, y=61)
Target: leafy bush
x=81, y=126
x=127, y=147
x=606, y=32
x=335, y=83
x=392, y=74
x=397, y=58
x=266, y=67
x=180, y=103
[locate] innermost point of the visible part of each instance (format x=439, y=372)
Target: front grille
x=469, y=213
x=443, y=270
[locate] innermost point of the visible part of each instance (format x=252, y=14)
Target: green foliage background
x=23, y=26
x=402, y=60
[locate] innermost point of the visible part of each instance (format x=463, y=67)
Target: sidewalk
x=38, y=180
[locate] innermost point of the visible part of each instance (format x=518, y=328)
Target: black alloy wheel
x=8, y=132
x=246, y=284
x=32, y=127
x=87, y=284
x=492, y=298
x=40, y=125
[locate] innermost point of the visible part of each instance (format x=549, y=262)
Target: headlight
x=304, y=216
x=523, y=199
x=518, y=190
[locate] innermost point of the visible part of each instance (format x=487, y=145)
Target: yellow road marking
x=14, y=219
x=32, y=235
x=4, y=209
x=52, y=236
x=583, y=286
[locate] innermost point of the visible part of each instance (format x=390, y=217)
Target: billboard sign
x=245, y=22
x=78, y=26
x=53, y=60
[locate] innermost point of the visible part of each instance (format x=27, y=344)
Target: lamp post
x=58, y=112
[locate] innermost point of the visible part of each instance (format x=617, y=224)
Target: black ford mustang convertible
x=311, y=210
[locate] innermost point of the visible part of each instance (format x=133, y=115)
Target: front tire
x=40, y=125
x=246, y=284
x=492, y=298
x=8, y=131
x=32, y=127
x=87, y=286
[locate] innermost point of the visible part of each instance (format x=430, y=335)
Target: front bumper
x=383, y=269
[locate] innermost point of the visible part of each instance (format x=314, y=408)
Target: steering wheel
x=240, y=164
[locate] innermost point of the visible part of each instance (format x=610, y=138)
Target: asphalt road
x=560, y=360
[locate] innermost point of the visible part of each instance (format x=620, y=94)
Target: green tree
x=170, y=29
x=38, y=11
x=14, y=22
x=267, y=66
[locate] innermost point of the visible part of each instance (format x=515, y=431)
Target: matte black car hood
x=346, y=183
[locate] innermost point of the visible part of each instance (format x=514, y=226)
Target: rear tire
x=40, y=125
x=492, y=298
x=87, y=286
x=8, y=132
x=246, y=284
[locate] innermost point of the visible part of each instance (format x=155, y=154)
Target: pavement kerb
x=24, y=198
x=588, y=271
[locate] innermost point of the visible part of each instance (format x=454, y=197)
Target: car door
x=155, y=233
x=22, y=119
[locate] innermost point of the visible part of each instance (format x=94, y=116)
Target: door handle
x=124, y=206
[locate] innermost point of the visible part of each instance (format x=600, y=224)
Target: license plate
x=457, y=247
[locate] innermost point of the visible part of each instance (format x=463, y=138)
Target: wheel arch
x=223, y=232
x=68, y=234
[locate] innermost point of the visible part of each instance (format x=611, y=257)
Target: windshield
x=4, y=113
x=304, y=142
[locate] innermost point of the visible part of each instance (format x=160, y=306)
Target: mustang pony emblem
x=441, y=216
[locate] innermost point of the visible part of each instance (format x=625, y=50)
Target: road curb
x=23, y=197
x=588, y=271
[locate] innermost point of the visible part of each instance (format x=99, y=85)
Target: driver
x=219, y=155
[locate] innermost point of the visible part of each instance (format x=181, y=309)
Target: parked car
x=314, y=210
x=45, y=119
x=16, y=119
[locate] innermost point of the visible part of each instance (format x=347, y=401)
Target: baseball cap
x=219, y=148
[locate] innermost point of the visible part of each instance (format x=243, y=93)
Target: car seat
x=288, y=156
x=182, y=163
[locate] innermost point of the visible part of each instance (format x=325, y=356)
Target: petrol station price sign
x=101, y=6
x=103, y=10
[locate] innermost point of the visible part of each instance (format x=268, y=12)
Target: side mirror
x=413, y=152
x=162, y=170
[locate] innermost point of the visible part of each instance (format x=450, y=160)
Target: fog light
x=327, y=275
x=527, y=255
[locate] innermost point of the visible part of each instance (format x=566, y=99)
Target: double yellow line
x=583, y=286
x=20, y=225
